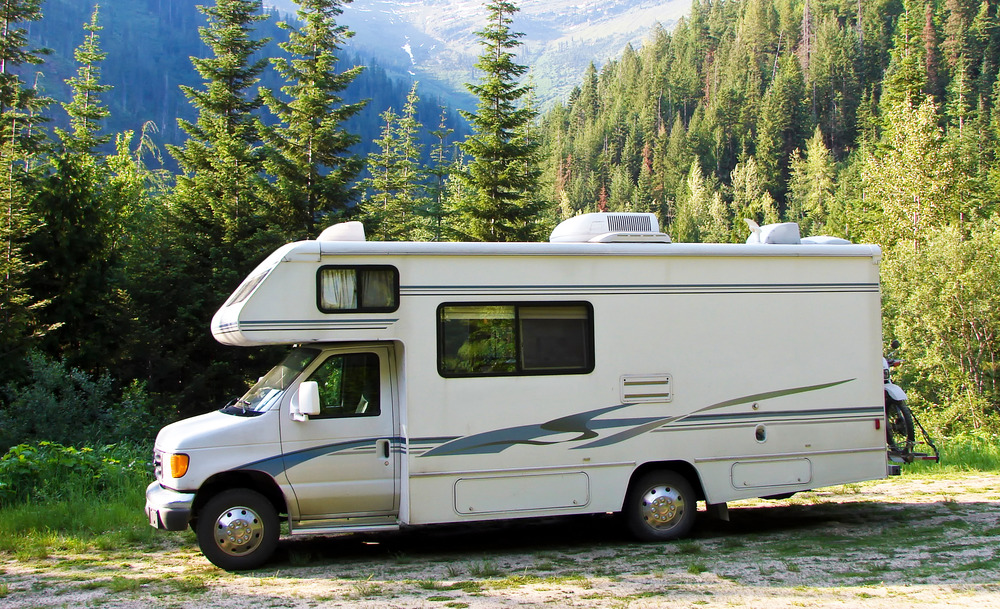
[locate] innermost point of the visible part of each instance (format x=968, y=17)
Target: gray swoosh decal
x=586, y=427
x=641, y=429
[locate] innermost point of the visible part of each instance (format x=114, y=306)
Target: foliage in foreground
x=47, y=473
x=60, y=498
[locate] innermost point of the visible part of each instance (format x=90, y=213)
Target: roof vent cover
x=610, y=228
x=631, y=223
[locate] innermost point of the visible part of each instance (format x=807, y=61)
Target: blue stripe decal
x=285, y=325
x=278, y=464
x=734, y=288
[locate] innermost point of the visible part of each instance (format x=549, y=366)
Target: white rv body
x=751, y=370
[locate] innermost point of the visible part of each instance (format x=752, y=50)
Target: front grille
x=158, y=464
x=621, y=223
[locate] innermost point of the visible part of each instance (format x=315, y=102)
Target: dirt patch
x=914, y=541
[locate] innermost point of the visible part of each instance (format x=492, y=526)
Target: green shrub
x=65, y=405
x=48, y=472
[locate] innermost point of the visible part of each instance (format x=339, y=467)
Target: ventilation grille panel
x=630, y=223
x=646, y=388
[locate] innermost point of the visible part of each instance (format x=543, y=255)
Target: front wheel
x=899, y=436
x=238, y=530
x=660, y=506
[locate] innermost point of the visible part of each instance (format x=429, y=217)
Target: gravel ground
x=915, y=541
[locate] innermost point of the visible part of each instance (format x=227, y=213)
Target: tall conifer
x=73, y=247
x=221, y=161
x=219, y=225
x=310, y=149
x=20, y=145
x=502, y=176
x=85, y=109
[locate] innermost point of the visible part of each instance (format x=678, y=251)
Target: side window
x=515, y=339
x=477, y=340
x=349, y=386
x=350, y=289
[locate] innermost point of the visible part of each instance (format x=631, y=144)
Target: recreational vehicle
x=608, y=370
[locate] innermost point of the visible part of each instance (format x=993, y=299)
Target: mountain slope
x=149, y=45
x=437, y=39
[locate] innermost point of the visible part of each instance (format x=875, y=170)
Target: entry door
x=341, y=462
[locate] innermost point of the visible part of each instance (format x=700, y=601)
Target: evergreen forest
x=132, y=209
x=872, y=120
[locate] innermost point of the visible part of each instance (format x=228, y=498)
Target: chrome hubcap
x=239, y=531
x=662, y=507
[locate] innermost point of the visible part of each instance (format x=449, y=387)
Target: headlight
x=177, y=465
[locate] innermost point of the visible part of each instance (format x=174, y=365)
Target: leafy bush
x=48, y=472
x=65, y=405
x=942, y=303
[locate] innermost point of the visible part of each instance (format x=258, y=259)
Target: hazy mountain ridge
x=437, y=38
x=149, y=45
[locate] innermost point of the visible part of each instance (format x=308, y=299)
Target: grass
x=979, y=453
x=485, y=568
x=73, y=501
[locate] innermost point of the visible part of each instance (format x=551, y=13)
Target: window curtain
x=377, y=289
x=339, y=289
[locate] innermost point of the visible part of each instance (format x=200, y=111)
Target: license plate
x=154, y=517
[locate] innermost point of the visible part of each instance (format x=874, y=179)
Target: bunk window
x=352, y=289
x=515, y=339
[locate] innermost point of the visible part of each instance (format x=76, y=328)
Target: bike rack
x=909, y=456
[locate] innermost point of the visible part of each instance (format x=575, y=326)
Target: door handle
x=382, y=448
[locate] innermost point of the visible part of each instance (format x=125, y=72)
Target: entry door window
x=348, y=386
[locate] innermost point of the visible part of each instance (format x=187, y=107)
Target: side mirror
x=305, y=402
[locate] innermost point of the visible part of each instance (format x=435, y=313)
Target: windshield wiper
x=230, y=408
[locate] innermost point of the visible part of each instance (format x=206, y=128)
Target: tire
x=899, y=436
x=238, y=530
x=660, y=506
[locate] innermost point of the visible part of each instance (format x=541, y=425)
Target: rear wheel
x=660, y=506
x=899, y=436
x=238, y=530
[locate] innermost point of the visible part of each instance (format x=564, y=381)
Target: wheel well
x=256, y=481
x=681, y=467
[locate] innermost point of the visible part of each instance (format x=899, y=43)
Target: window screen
x=511, y=339
x=342, y=289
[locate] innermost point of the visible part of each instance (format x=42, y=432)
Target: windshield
x=265, y=391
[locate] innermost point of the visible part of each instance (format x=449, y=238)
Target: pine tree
x=392, y=204
x=906, y=77
x=912, y=182
x=310, y=156
x=20, y=147
x=503, y=173
x=222, y=160
x=218, y=222
x=750, y=199
x=811, y=187
x=783, y=118
x=441, y=168
x=71, y=249
x=86, y=110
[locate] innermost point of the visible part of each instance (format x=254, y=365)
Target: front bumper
x=168, y=509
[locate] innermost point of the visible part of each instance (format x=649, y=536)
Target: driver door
x=342, y=461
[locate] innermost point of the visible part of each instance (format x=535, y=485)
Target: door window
x=349, y=386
